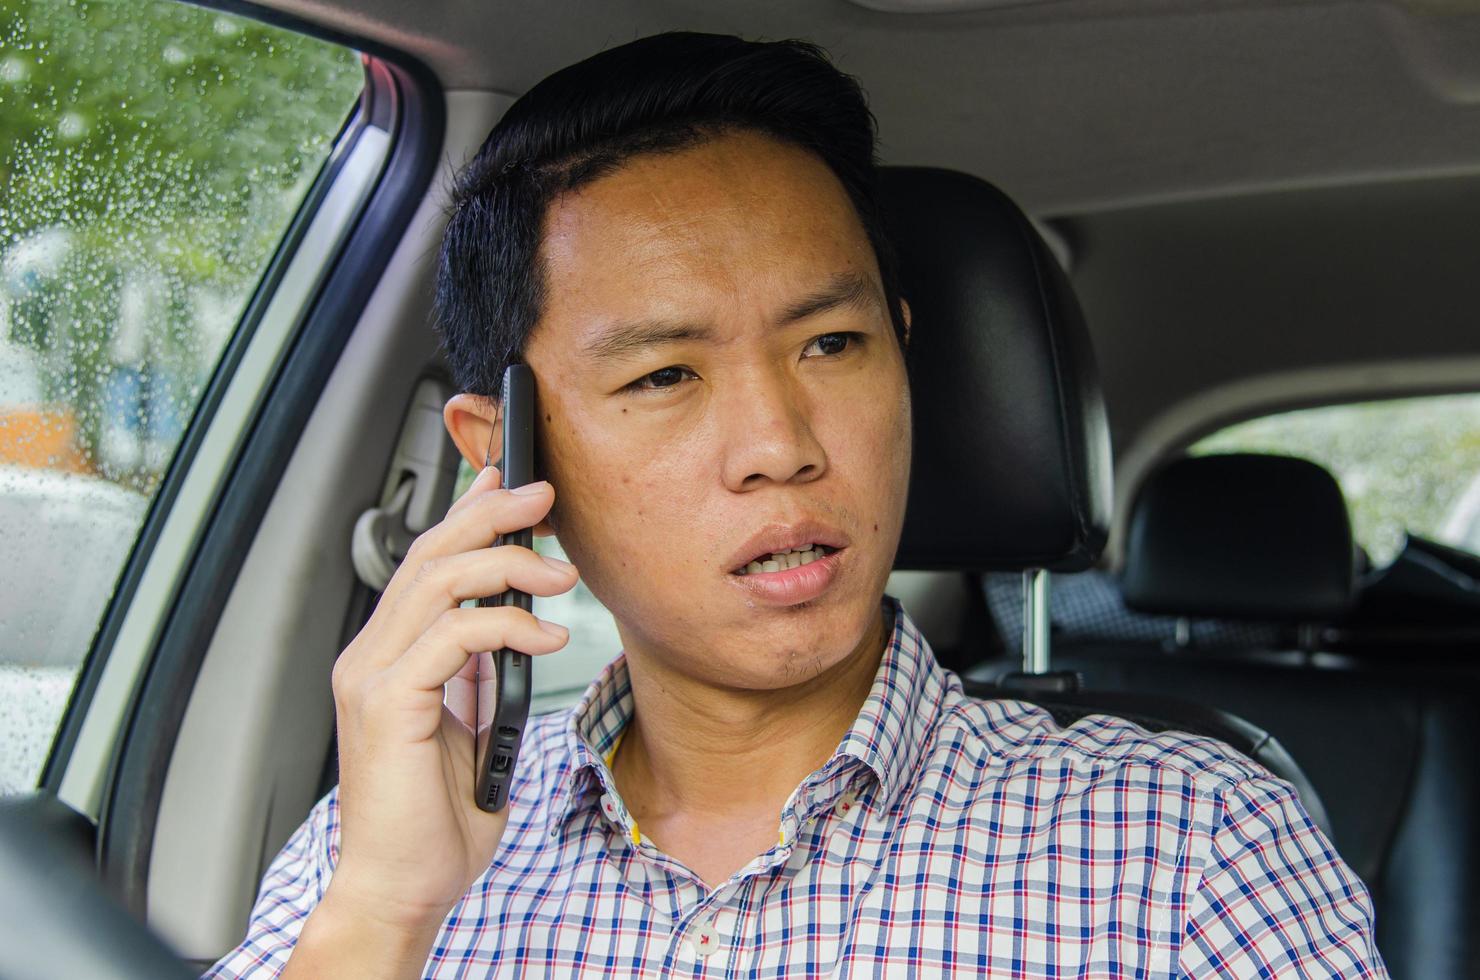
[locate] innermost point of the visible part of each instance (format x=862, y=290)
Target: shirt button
x=609, y=806
x=845, y=803
x=705, y=938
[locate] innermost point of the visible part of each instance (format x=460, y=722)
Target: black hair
x=657, y=94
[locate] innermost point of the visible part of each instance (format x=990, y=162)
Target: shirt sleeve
x=291, y=889
x=1275, y=899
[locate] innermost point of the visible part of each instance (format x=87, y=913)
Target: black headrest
x=1240, y=536
x=1011, y=462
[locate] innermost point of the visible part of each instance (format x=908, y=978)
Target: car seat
x=1012, y=467
x=1389, y=738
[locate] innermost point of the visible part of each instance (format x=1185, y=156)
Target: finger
x=460, y=699
x=469, y=695
x=484, y=515
x=486, y=688
x=491, y=571
x=475, y=526
x=462, y=693
x=488, y=478
x=442, y=651
x=442, y=583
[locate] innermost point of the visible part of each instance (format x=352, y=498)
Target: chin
x=799, y=643
x=778, y=668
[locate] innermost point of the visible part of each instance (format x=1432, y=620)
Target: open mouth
x=780, y=561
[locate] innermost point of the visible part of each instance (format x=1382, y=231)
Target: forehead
x=742, y=219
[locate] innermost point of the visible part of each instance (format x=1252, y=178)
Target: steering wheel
x=55, y=918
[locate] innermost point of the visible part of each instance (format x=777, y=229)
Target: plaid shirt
x=946, y=835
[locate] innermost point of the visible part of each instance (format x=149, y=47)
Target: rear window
x=1410, y=464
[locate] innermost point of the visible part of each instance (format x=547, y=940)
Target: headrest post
x=1035, y=620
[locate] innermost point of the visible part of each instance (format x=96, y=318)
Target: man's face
x=718, y=379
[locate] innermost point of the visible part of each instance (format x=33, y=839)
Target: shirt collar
x=901, y=711
x=888, y=736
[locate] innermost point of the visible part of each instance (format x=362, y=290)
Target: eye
x=830, y=344
x=666, y=377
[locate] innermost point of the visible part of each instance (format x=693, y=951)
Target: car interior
x=1124, y=225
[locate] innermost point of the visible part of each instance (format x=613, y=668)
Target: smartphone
x=511, y=668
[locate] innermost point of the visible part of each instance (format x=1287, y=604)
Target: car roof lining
x=1071, y=106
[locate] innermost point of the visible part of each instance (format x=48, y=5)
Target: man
x=679, y=236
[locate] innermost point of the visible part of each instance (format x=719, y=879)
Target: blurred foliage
x=151, y=156
x=1403, y=464
x=161, y=126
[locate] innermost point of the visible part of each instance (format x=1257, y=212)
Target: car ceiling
x=1070, y=105
x=1142, y=129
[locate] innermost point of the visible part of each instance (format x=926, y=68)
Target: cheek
x=624, y=510
x=869, y=446
x=901, y=445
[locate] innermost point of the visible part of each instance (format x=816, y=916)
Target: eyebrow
x=626, y=339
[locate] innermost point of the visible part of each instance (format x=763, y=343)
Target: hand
x=412, y=839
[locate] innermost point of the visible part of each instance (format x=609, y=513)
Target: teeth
x=782, y=560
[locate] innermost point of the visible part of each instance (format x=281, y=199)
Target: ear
x=477, y=429
x=905, y=306
x=473, y=422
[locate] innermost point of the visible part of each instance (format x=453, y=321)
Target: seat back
x=1011, y=467
x=1391, y=743
x=1160, y=712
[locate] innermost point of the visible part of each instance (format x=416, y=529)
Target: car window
x=1410, y=464
x=152, y=158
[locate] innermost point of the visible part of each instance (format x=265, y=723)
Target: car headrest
x=1240, y=536
x=1011, y=465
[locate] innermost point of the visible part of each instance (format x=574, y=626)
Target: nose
x=768, y=433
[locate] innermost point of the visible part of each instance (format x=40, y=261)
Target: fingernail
x=558, y=565
x=554, y=629
x=484, y=475
x=538, y=487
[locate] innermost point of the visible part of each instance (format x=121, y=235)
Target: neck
x=702, y=752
